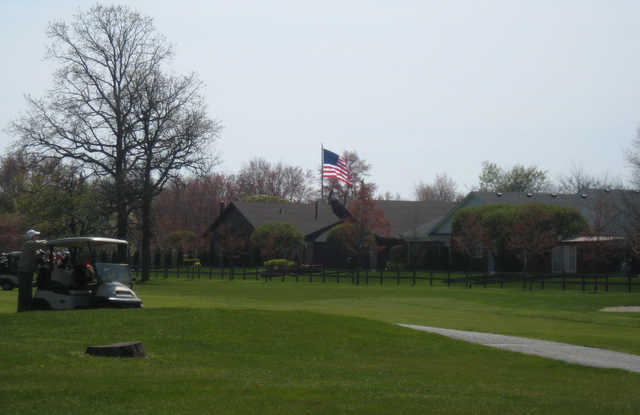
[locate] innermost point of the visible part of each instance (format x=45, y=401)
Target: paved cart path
x=587, y=356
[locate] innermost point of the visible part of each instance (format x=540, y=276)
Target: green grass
x=275, y=348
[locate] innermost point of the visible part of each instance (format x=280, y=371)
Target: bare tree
x=89, y=114
x=172, y=133
x=578, y=181
x=633, y=158
x=443, y=189
x=359, y=169
x=260, y=177
x=389, y=196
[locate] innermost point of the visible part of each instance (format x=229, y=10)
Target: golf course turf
x=274, y=348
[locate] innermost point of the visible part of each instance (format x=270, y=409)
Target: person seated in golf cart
x=61, y=270
x=84, y=276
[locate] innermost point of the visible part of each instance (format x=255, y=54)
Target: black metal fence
x=320, y=274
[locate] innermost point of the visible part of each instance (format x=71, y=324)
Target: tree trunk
x=124, y=349
x=147, y=197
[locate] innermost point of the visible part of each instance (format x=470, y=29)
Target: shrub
x=277, y=240
x=280, y=264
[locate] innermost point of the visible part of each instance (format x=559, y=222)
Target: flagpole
x=321, y=172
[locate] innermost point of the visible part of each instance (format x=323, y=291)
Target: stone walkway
x=586, y=356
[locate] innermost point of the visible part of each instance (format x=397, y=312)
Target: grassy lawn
x=250, y=347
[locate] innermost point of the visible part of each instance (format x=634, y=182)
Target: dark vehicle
x=9, y=269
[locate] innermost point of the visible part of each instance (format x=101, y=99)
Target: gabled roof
x=406, y=216
x=301, y=215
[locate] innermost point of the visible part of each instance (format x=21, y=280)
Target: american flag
x=335, y=166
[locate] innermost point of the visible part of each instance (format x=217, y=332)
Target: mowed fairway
x=286, y=348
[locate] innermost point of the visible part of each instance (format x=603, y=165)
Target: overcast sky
x=417, y=88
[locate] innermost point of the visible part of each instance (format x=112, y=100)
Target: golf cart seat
x=79, y=292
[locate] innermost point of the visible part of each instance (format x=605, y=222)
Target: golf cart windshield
x=113, y=272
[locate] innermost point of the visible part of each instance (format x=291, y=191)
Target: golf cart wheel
x=7, y=285
x=40, y=304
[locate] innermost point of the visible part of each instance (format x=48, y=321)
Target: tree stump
x=123, y=349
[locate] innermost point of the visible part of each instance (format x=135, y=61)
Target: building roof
x=406, y=216
x=301, y=215
x=592, y=204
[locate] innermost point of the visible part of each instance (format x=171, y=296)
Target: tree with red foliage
x=11, y=232
x=470, y=234
x=191, y=204
x=532, y=233
x=364, y=223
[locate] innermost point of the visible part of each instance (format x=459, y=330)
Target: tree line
x=120, y=145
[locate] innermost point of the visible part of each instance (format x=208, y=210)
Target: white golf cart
x=86, y=272
x=9, y=269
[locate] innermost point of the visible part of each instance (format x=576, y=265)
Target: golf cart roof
x=79, y=241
